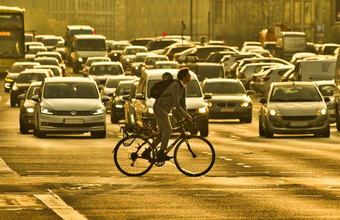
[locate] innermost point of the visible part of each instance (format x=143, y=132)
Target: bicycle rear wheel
x=194, y=156
x=128, y=157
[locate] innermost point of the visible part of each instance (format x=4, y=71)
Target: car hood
x=109, y=90
x=192, y=103
x=13, y=75
x=302, y=107
x=91, y=53
x=68, y=104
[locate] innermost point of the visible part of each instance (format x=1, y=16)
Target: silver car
x=293, y=108
x=326, y=88
x=69, y=105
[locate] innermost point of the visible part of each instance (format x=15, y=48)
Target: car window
x=28, y=78
x=295, y=93
x=34, y=90
x=203, y=72
x=70, y=90
x=106, y=70
x=221, y=88
x=327, y=90
x=123, y=87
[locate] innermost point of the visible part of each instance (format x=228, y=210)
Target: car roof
x=221, y=80
x=121, y=77
x=202, y=64
x=299, y=83
x=46, y=66
x=153, y=74
x=126, y=82
x=166, y=62
x=94, y=58
x=26, y=63
x=34, y=71
x=113, y=63
x=38, y=83
x=324, y=82
x=89, y=36
x=69, y=79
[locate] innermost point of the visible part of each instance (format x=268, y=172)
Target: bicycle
x=193, y=155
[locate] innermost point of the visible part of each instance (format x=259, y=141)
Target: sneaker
x=162, y=156
x=146, y=153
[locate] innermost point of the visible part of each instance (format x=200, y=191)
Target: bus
x=12, y=37
x=70, y=31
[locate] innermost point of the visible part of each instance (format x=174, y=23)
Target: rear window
x=30, y=77
x=221, y=88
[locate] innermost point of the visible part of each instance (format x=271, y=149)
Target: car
x=269, y=45
x=129, y=106
x=161, y=43
x=194, y=102
x=60, y=48
x=181, y=56
x=247, y=49
x=231, y=62
x=14, y=71
x=141, y=41
x=202, y=52
x=32, y=43
x=229, y=99
x=293, y=108
x=215, y=57
x=255, y=81
x=137, y=63
x=110, y=86
x=206, y=70
x=216, y=42
x=251, y=43
x=100, y=71
x=150, y=60
x=57, y=71
x=178, y=47
x=117, y=102
x=23, y=81
x=90, y=60
x=326, y=88
x=328, y=48
x=54, y=54
x=32, y=51
x=274, y=75
x=50, y=41
x=166, y=65
x=129, y=53
x=116, y=49
x=262, y=52
x=300, y=56
x=27, y=107
x=68, y=105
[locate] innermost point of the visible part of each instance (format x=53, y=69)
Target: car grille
x=74, y=125
x=298, y=118
x=68, y=113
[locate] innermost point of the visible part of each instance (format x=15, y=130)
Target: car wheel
x=98, y=134
x=268, y=134
x=204, y=132
x=23, y=127
x=114, y=120
x=261, y=130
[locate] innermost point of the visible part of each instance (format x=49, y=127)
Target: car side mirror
x=126, y=92
x=21, y=96
x=85, y=74
x=327, y=99
x=250, y=92
x=125, y=97
x=263, y=101
x=139, y=96
x=105, y=98
x=207, y=95
x=35, y=98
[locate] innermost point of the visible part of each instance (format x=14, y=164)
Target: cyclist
x=172, y=97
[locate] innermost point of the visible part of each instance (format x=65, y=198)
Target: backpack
x=158, y=89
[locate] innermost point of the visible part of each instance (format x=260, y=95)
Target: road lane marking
x=4, y=168
x=55, y=203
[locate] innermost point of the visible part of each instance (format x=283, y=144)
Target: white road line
x=4, y=168
x=55, y=203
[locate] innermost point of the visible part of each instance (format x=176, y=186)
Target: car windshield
x=113, y=83
x=295, y=93
x=140, y=58
x=327, y=90
x=70, y=90
x=193, y=88
x=123, y=87
x=106, y=70
x=132, y=51
x=89, y=62
x=222, y=88
x=30, y=77
x=118, y=47
x=209, y=72
x=91, y=45
x=34, y=90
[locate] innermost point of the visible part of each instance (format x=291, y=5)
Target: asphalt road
x=74, y=177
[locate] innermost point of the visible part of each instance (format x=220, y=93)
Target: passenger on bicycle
x=173, y=97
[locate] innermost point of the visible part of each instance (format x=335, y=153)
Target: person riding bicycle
x=173, y=97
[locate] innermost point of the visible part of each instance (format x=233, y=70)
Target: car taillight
x=265, y=79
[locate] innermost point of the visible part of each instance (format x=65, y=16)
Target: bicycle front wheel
x=129, y=158
x=194, y=156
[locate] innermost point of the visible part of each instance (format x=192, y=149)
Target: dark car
x=206, y=70
x=202, y=52
x=129, y=54
x=137, y=64
x=177, y=48
x=23, y=81
x=141, y=41
x=157, y=44
x=100, y=71
x=116, y=50
x=27, y=107
x=229, y=99
x=117, y=101
x=14, y=71
x=129, y=106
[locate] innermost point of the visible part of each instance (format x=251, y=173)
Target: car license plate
x=73, y=121
x=299, y=124
x=227, y=109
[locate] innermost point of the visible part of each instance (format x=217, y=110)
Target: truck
x=288, y=43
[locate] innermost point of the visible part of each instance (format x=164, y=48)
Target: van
x=84, y=46
x=194, y=100
x=314, y=70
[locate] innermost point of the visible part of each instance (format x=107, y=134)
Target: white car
x=69, y=105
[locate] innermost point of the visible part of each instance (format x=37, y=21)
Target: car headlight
x=245, y=104
x=209, y=104
x=30, y=110
x=80, y=59
x=202, y=110
x=322, y=111
x=98, y=111
x=46, y=111
x=15, y=87
x=127, y=59
x=119, y=106
x=274, y=112
x=136, y=67
x=150, y=110
x=115, y=54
